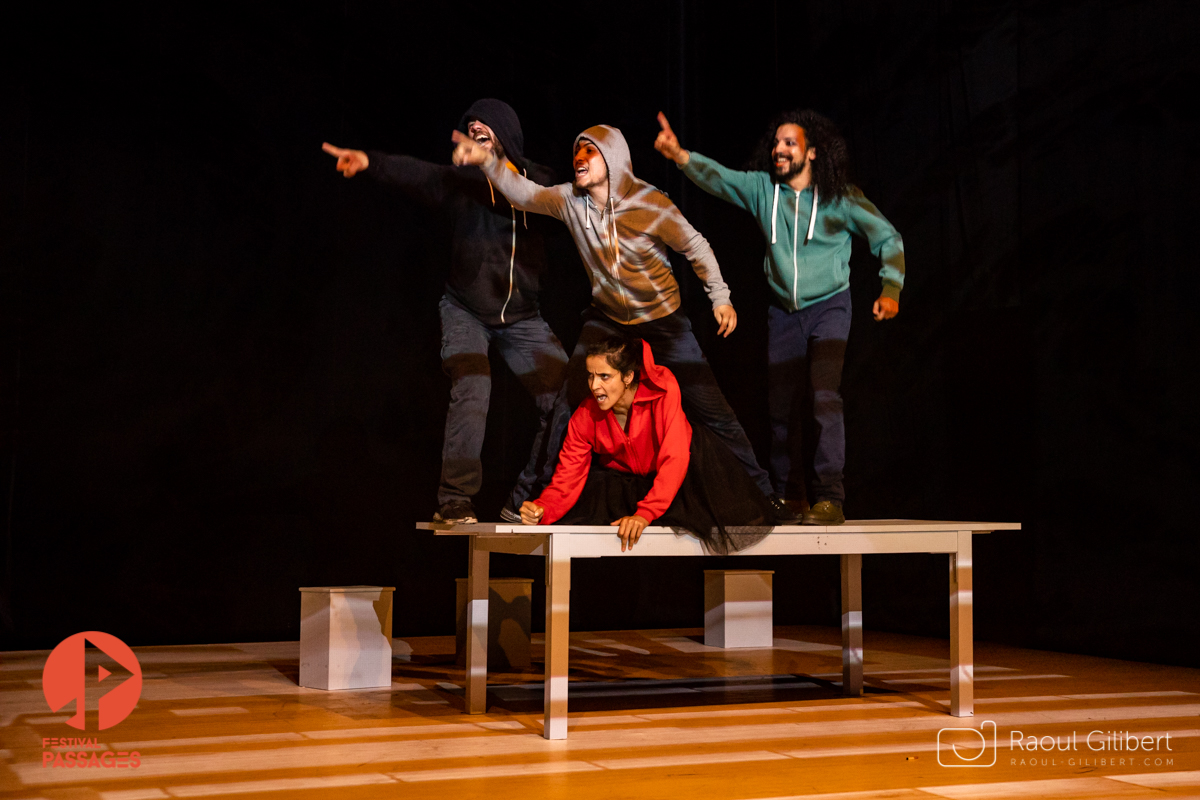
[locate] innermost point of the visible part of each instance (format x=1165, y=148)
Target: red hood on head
x=661, y=377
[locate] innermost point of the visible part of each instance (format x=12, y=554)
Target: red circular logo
x=63, y=679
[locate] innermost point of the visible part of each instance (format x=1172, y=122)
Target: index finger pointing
x=662, y=120
x=458, y=137
x=333, y=151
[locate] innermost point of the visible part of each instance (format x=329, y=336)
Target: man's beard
x=497, y=148
x=792, y=170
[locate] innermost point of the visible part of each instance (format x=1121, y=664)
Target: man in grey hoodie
x=622, y=227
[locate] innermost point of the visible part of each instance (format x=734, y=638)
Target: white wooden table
x=558, y=544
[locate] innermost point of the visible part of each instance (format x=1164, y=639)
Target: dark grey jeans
x=805, y=351
x=532, y=352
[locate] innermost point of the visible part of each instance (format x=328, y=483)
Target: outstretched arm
x=524, y=194
x=742, y=189
x=421, y=180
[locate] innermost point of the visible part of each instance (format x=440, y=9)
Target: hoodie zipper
x=614, y=270
x=633, y=456
x=812, y=226
x=616, y=242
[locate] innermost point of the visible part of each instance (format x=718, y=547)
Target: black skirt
x=718, y=502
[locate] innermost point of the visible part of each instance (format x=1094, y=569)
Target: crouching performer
x=630, y=458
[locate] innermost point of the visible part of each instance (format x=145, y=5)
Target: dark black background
x=219, y=373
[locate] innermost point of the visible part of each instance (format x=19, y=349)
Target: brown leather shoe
x=825, y=512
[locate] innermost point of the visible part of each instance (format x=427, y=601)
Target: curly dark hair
x=624, y=355
x=831, y=167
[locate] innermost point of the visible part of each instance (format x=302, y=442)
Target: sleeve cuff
x=720, y=298
x=890, y=290
x=646, y=514
x=375, y=160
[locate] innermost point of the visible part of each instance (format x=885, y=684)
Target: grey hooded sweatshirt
x=624, y=245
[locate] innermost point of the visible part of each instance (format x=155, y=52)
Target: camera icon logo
x=967, y=747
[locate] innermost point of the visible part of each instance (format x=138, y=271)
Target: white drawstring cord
x=774, y=210
x=525, y=214
x=490, y=190
x=512, y=258
x=612, y=212
x=812, y=221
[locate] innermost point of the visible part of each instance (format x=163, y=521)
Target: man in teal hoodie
x=807, y=209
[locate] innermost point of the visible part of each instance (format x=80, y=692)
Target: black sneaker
x=783, y=513
x=456, y=512
x=510, y=514
x=825, y=512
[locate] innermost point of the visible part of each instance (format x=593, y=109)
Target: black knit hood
x=500, y=117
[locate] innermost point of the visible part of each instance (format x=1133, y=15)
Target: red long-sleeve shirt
x=659, y=441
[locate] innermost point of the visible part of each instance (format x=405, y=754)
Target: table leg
x=852, y=635
x=477, y=628
x=962, y=635
x=558, y=630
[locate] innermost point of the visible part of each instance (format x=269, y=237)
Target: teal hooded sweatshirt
x=808, y=260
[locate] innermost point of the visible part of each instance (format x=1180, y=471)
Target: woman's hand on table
x=630, y=529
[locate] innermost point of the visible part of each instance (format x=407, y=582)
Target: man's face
x=791, y=152
x=485, y=137
x=590, y=169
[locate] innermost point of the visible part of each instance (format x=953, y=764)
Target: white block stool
x=346, y=637
x=510, y=604
x=737, y=608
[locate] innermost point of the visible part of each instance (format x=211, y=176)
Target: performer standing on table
x=622, y=227
x=491, y=292
x=630, y=454
x=807, y=209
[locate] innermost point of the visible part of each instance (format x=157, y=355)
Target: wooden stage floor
x=653, y=714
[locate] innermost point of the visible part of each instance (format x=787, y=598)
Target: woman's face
x=606, y=384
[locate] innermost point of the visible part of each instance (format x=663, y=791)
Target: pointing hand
x=468, y=152
x=349, y=162
x=667, y=142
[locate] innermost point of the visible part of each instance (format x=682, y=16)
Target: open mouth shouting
x=590, y=169
x=607, y=385
x=484, y=136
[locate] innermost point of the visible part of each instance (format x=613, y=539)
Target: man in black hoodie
x=491, y=295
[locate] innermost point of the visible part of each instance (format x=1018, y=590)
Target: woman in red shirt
x=631, y=456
